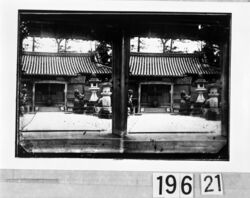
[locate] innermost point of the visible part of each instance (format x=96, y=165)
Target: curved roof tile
x=140, y=64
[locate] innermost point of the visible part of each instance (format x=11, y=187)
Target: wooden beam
x=98, y=142
x=97, y=25
x=121, y=45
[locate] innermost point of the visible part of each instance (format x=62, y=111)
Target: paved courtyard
x=149, y=123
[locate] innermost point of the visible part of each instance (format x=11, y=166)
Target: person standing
x=130, y=101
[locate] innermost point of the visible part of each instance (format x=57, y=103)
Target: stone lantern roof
x=107, y=84
x=201, y=81
x=94, y=80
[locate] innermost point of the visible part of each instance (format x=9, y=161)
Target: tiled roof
x=141, y=64
x=148, y=64
x=60, y=64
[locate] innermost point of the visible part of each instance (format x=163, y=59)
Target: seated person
x=78, y=102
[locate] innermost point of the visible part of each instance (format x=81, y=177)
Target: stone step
x=49, y=109
x=155, y=110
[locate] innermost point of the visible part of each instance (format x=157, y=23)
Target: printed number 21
x=211, y=184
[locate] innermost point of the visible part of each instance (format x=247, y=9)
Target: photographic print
x=123, y=84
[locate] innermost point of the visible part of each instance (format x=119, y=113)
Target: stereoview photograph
x=143, y=85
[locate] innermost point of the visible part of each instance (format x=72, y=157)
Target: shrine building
x=156, y=79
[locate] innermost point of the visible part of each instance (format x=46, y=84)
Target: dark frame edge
x=19, y=50
x=21, y=153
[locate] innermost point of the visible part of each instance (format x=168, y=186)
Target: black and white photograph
x=123, y=84
x=124, y=99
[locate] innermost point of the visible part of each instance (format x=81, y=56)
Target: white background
x=239, y=100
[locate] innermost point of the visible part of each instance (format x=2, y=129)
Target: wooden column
x=139, y=98
x=120, y=64
x=33, y=96
x=18, y=84
x=225, y=87
x=65, y=96
x=172, y=98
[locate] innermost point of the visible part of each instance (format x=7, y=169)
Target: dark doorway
x=155, y=97
x=49, y=95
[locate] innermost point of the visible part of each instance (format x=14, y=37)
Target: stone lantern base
x=90, y=109
x=105, y=112
x=212, y=114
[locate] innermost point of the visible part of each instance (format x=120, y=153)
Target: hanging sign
x=184, y=81
x=78, y=79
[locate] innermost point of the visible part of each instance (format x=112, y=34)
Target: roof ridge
x=165, y=54
x=55, y=54
x=62, y=54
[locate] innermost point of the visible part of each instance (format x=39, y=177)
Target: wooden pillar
x=65, y=96
x=120, y=64
x=139, y=98
x=225, y=87
x=33, y=96
x=19, y=75
x=172, y=98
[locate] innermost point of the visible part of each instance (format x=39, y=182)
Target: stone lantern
x=200, y=90
x=94, y=81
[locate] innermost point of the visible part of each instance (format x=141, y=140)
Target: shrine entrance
x=155, y=97
x=49, y=96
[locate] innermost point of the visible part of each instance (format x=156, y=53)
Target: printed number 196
x=172, y=185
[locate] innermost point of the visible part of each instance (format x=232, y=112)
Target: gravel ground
x=157, y=122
